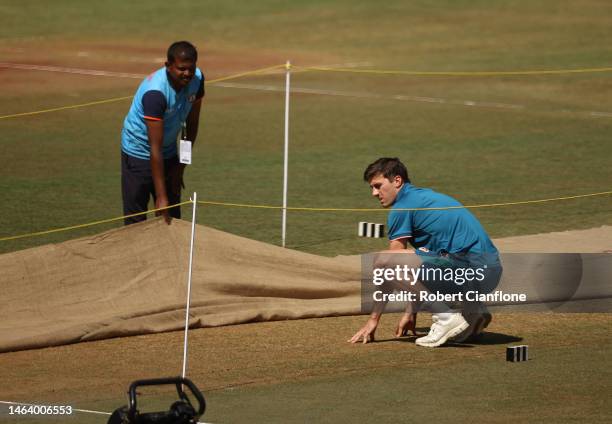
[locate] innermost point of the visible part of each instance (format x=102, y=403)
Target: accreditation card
x=185, y=152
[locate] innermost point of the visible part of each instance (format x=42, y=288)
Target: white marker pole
x=286, y=166
x=194, y=201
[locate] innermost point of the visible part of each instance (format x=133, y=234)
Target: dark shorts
x=451, y=274
x=137, y=187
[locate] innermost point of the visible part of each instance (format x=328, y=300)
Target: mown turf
x=304, y=371
x=517, y=138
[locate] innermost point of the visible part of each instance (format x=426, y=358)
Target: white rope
x=87, y=411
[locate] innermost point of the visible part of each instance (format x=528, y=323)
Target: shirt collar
x=403, y=192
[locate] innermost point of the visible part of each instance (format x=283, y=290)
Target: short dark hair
x=184, y=49
x=388, y=167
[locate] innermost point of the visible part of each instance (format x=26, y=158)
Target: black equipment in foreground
x=181, y=411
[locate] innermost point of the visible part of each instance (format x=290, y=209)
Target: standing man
x=165, y=101
x=445, y=236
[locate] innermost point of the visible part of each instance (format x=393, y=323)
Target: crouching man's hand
x=366, y=334
x=406, y=323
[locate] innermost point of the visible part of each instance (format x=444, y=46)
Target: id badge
x=185, y=152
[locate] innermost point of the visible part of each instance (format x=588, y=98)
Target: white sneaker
x=477, y=321
x=442, y=330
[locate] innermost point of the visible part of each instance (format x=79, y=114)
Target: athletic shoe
x=442, y=330
x=477, y=321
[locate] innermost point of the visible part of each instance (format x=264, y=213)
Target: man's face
x=386, y=190
x=181, y=72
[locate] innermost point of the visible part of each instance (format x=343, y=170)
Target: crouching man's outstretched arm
x=407, y=322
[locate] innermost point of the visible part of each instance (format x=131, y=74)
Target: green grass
x=62, y=168
x=444, y=34
x=556, y=386
x=474, y=390
x=304, y=371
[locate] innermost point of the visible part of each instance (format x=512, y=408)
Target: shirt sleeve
x=154, y=105
x=399, y=224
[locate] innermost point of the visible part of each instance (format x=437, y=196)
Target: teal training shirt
x=434, y=232
x=170, y=106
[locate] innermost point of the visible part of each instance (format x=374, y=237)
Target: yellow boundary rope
x=90, y=224
x=55, y=109
x=117, y=99
x=490, y=205
x=262, y=70
x=305, y=209
x=457, y=73
x=244, y=74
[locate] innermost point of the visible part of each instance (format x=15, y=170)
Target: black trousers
x=137, y=187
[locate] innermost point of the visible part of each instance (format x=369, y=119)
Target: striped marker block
x=517, y=353
x=370, y=229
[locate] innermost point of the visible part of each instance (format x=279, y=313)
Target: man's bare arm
x=155, y=132
x=193, y=121
x=399, y=244
x=408, y=321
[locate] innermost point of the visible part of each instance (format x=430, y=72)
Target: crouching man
x=436, y=236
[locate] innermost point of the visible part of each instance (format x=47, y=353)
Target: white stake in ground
x=194, y=201
x=286, y=166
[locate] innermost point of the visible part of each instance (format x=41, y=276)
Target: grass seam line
x=458, y=73
x=117, y=99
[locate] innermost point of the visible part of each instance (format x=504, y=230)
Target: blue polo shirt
x=434, y=232
x=155, y=99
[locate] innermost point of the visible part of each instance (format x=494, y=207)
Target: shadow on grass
x=489, y=338
x=485, y=339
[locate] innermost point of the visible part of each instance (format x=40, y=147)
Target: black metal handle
x=179, y=382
